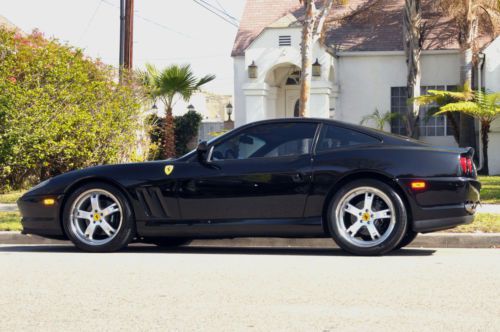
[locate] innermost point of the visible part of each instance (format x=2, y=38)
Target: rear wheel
x=97, y=217
x=367, y=217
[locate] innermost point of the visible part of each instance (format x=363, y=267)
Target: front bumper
x=445, y=203
x=38, y=218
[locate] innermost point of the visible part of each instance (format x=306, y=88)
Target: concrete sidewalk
x=8, y=207
x=433, y=240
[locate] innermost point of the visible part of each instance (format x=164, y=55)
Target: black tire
x=124, y=233
x=407, y=239
x=393, y=238
x=170, y=242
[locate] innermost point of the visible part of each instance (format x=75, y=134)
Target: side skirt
x=300, y=227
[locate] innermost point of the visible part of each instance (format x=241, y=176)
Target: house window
x=399, y=96
x=434, y=125
x=285, y=41
x=428, y=125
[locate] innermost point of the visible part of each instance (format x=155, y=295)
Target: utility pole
x=126, y=36
x=122, y=37
x=129, y=35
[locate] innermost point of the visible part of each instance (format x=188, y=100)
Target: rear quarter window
x=333, y=137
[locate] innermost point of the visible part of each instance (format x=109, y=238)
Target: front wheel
x=407, y=239
x=97, y=217
x=367, y=217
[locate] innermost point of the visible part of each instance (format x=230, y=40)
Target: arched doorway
x=285, y=78
x=296, y=109
x=292, y=94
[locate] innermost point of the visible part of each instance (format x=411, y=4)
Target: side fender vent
x=152, y=200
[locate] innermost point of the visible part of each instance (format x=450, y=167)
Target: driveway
x=252, y=289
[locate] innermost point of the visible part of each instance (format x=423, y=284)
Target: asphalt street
x=57, y=288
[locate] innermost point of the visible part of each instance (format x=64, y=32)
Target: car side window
x=267, y=140
x=333, y=137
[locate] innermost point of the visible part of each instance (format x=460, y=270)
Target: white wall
x=239, y=97
x=365, y=84
x=366, y=78
x=371, y=76
x=492, y=83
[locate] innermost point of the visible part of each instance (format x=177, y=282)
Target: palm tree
x=486, y=108
x=413, y=39
x=379, y=119
x=439, y=98
x=166, y=85
x=468, y=15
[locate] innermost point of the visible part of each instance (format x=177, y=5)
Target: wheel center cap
x=365, y=217
x=96, y=216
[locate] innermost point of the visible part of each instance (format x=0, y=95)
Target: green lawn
x=490, y=191
x=10, y=197
x=10, y=221
x=484, y=222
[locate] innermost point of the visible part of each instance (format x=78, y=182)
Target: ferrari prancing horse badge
x=169, y=169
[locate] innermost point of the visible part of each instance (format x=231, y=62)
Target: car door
x=260, y=172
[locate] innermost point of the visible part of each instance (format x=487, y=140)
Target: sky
x=166, y=31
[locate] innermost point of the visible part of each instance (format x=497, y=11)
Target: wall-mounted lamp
x=252, y=70
x=191, y=108
x=316, y=69
x=229, y=111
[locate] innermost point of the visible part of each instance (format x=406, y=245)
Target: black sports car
x=371, y=191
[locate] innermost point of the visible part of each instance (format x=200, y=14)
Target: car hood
x=58, y=185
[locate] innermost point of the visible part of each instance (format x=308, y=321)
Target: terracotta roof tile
x=362, y=25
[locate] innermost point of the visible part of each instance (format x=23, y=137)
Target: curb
x=8, y=207
x=434, y=240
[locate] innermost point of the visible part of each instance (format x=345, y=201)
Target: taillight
x=463, y=165
x=469, y=166
x=466, y=166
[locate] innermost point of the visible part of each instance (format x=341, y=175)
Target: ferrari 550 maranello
x=370, y=191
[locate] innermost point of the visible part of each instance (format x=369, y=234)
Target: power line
x=91, y=19
x=225, y=11
x=152, y=21
x=221, y=11
x=206, y=6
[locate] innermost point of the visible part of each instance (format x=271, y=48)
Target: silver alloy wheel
x=96, y=217
x=359, y=222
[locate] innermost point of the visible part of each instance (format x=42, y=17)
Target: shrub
x=186, y=129
x=59, y=110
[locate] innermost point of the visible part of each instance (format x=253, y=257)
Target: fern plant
x=486, y=108
x=379, y=119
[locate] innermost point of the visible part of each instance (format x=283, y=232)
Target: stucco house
x=362, y=65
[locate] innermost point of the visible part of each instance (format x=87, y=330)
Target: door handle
x=298, y=177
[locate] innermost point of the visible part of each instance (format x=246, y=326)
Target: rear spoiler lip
x=468, y=151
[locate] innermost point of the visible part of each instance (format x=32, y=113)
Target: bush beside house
x=59, y=111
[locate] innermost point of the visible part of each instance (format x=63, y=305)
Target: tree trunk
x=456, y=129
x=485, y=132
x=306, y=53
x=169, y=134
x=413, y=49
x=467, y=132
x=466, y=40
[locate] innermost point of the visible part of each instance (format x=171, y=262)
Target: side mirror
x=201, y=151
